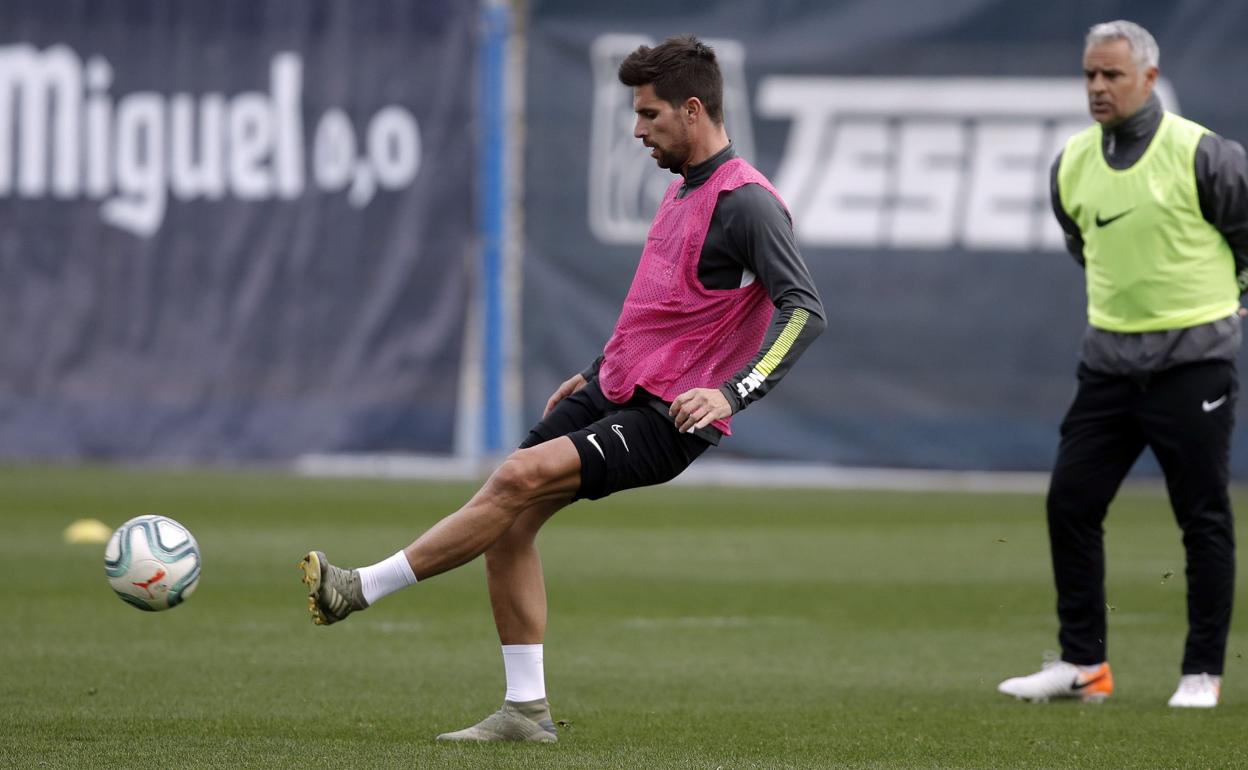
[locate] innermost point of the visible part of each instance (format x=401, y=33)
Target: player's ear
x=692, y=109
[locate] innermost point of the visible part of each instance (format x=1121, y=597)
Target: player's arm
x=1222, y=186
x=572, y=384
x=589, y=372
x=1074, y=237
x=760, y=229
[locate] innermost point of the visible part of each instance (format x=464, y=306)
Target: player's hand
x=699, y=408
x=567, y=388
x=1243, y=312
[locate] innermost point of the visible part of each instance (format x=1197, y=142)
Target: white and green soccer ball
x=152, y=562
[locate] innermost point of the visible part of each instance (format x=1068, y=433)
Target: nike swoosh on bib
x=1102, y=222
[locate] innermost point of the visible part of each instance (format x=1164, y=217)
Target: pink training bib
x=674, y=334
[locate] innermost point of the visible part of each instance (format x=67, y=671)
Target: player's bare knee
x=518, y=480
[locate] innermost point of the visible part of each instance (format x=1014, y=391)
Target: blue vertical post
x=492, y=200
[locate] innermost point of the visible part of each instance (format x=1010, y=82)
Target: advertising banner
x=912, y=143
x=233, y=230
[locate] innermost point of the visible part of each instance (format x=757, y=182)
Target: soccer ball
x=152, y=562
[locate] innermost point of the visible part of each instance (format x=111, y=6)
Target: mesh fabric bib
x=673, y=333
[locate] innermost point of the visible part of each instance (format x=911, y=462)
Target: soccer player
x=719, y=309
x=1155, y=208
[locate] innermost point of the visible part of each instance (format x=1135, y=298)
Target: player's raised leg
x=542, y=475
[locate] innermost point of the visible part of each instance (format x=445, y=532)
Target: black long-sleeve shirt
x=750, y=238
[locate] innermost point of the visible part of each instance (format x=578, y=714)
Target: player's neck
x=706, y=149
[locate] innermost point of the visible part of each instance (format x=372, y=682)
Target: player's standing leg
x=1188, y=416
x=513, y=570
x=1100, y=441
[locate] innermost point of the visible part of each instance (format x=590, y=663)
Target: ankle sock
x=386, y=577
x=526, y=677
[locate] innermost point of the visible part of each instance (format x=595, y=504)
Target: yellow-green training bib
x=1153, y=261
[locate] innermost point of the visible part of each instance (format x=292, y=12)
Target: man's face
x=662, y=128
x=1117, y=85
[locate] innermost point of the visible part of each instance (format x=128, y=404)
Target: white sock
x=386, y=577
x=526, y=678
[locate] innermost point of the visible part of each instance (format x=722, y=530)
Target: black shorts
x=622, y=446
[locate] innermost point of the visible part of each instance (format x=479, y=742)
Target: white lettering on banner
x=140, y=173
x=133, y=151
x=923, y=163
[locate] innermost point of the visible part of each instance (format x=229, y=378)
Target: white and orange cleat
x=1059, y=679
x=1197, y=691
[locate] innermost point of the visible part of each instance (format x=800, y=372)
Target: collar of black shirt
x=1127, y=136
x=697, y=174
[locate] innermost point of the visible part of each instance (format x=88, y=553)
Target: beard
x=673, y=160
x=674, y=157
x=670, y=160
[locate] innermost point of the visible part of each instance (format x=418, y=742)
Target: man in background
x=1155, y=208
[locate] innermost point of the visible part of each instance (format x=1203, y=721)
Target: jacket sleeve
x=1222, y=185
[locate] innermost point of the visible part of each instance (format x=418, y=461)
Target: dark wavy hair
x=678, y=68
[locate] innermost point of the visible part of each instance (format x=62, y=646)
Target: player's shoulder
x=1083, y=142
x=751, y=200
x=1220, y=149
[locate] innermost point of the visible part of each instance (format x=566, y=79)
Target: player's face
x=1117, y=85
x=660, y=126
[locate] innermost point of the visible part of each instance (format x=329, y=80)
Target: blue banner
x=234, y=230
x=912, y=143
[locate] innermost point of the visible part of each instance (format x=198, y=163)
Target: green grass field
x=689, y=629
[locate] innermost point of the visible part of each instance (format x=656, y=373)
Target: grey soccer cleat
x=527, y=721
x=333, y=592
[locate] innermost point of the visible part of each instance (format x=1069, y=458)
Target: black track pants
x=1185, y=416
